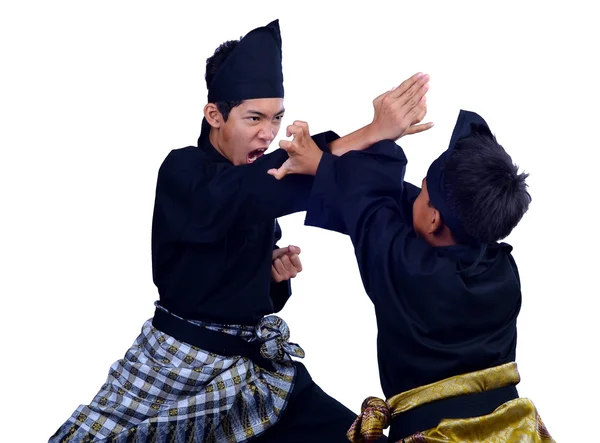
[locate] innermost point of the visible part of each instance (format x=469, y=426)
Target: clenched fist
x=286, y=263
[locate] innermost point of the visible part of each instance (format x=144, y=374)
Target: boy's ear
x=213, y=116
x=435, y=221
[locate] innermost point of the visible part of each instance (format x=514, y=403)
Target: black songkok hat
x=467, y=123
x=252, y=70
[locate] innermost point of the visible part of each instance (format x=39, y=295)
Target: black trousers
x=311, y=416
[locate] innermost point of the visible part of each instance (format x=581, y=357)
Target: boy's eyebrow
x=260, y=114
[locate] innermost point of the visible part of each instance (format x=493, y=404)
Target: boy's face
x=249, y=130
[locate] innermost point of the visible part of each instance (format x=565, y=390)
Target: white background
x=95, y=94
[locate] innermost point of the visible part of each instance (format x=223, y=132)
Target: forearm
x=355, y=141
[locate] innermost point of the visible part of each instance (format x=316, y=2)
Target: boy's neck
x=213, y=137
x=439, y=243
x=442, y=238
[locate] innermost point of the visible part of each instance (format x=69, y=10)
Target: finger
x=415, y=93
x=279, y=173
x=294, y=249
x=279, y=252
x=405, y=85
x=295, y=260
x=275, y=275
x=289, y=267
x=295, y=130
x=286, y=145
x=301, y=124
x=418, y=128
x=280, y=268
x=419, y=112
x=287, y=264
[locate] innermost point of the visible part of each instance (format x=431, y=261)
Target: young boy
x=213, y=365
x=446, y=292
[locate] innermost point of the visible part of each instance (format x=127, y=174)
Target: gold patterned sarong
x=512, y=422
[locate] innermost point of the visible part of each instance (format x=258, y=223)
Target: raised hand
x=304, y=154
x=398, y=112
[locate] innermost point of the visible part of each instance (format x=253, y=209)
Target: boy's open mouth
x=253, y=155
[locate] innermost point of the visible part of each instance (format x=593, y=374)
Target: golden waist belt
x=376, y=414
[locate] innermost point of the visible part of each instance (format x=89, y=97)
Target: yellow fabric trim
x=516, y=421
x=470, y=383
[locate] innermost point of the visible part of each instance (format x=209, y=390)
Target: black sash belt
x=208, y=340
x=429, y=415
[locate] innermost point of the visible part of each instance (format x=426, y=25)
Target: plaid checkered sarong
x=165, y=390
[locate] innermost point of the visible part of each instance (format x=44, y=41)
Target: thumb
x=294, y=249
x=279, y=252
x=415, y=129
x=277, y=173
x=282, y=171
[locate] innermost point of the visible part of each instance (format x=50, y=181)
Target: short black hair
x=485, y=189
x=213, y=64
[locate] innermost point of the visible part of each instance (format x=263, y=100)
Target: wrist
x=357, y=141
x=371, y=134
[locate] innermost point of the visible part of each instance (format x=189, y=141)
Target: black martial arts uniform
x=214, y=230
x=441, y=311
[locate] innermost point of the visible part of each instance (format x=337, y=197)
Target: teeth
x=255, y=154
